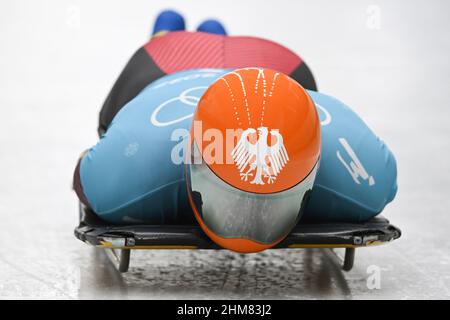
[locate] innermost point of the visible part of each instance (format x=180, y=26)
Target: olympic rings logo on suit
x=186, y=98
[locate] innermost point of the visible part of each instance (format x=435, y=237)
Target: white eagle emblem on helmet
x=267, y=161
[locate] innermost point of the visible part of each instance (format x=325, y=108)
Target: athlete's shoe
x=212, y=26
x=168, y=21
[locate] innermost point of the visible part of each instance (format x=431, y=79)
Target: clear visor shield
x=233, y=213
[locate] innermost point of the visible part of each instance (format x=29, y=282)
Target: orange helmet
x=255, y=149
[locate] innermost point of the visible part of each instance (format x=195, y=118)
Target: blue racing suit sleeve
x=357, y=177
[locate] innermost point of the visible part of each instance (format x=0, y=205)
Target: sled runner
x=120, y=240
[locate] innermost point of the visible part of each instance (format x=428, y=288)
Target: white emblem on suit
x=355, y=168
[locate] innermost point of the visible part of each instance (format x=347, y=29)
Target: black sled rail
x=122, y=239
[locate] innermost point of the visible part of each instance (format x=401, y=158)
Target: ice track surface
x=58, y=60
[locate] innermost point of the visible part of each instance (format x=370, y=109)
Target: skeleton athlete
x=129, y=176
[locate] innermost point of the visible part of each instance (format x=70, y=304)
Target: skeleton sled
x=119, y=241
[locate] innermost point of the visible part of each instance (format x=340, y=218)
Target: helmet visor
x=232, y=213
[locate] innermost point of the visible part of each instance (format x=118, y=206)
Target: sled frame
x=119, y=241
